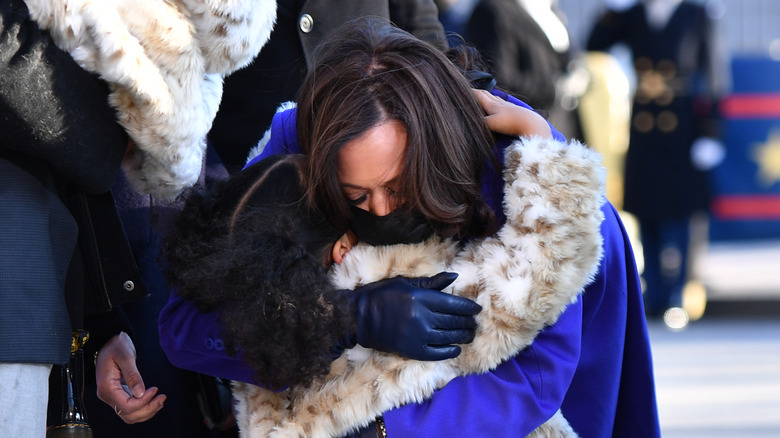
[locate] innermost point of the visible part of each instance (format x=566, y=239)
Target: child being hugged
x=248, y=250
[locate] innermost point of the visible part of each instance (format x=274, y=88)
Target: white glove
x=707, y=152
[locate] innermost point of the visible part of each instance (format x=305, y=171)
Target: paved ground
x=742, y=271
x=719, y=377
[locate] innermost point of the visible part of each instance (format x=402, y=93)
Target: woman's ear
x=342, y=246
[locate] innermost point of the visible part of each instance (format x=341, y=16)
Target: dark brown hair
x=370, y=72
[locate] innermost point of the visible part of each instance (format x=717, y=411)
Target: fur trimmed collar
x=164, y=61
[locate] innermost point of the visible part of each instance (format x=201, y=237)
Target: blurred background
x=717, y=352
x=739, y=261
x=719, y=375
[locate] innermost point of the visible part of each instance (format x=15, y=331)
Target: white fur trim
x=165, y=62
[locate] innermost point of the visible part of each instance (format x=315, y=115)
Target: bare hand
x=507, y=118
x=119, y=383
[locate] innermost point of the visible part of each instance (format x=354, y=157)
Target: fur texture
x=164, y=61
x=523, y=277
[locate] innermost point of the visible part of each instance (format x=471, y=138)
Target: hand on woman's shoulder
x=505, y=117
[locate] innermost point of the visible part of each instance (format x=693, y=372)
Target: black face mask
x=399, y=226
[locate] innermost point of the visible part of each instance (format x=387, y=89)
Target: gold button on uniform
x=643, y=121
x=665, y=98
x=667, y=121
x=667, y=68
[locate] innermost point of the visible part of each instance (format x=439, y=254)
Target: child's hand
x=507, y=118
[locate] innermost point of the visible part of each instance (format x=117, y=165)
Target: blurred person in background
x=674, y=134
x=252, y=95
x=526, y=46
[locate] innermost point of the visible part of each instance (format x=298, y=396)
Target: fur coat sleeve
x=524, y=277
x=164, y=61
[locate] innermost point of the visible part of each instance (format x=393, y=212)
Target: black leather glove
x=412, y=317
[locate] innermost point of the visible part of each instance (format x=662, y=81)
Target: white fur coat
x=523, y=277
x=164, y=61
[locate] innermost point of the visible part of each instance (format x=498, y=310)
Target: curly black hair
x=250, y=251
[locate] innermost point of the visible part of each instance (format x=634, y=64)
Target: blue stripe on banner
x=755, y=75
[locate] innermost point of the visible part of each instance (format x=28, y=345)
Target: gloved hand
x=413, y=318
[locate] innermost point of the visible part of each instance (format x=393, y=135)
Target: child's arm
x=505, y=117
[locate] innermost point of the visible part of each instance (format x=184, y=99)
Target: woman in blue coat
x=594, y=363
